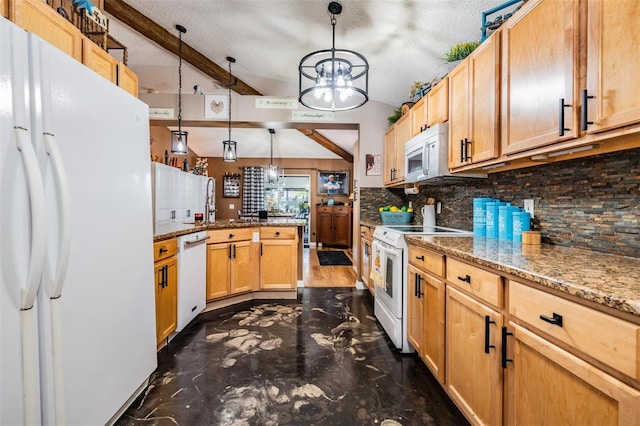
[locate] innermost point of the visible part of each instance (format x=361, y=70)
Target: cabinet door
x=241, y=276
x=342, y=226
x=39, y=18
x=484, y=95
x=433, y=300
x=278, y=264
x=459, y=114
x=127, y=80
x=612, y=66
x=94, y=57
x=415, y=309
x=438, y=103
x=547, y=385
x=365, y=263
x=419, y=116
x=474, y=377
x=389, y=154
x=539, y=63
x=166, y=283
x=4, y=8
x=218, y=270
x=324, y=225
x=403, y=134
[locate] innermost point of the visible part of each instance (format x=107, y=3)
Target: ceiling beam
x=157, y=33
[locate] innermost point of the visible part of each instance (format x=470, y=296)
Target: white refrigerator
x=77, y=312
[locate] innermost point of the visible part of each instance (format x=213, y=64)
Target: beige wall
x=294, y=166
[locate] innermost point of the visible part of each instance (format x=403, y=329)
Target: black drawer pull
x=163, y=250
x=277, y=234
x=420, y=258
x=466, y=279
x=556, y=319
x=231, y=235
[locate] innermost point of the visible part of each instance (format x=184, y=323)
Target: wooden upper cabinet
x=403, y=134
x=539, y=65
x=389, y=154
x=127, y=80
x=613, y=61
x=41, y=19
x=4, y=8
x=459, y=111
x=419, y=117
x=96, y=58
x=438, y=103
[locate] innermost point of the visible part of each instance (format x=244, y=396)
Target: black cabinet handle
x=487, y=331
x=260, y=249
x=561, y=128
x=416, y=279
x=419, y=285
x=420, y=258
x=467, y=143
x=462, y=150
x=505, y=360
x=277, y=234
x=231, y=235
x=556, y=319
x=163, y=250
x=585, y=111
x=234, y=251
x=229, y=251
x=466, y=279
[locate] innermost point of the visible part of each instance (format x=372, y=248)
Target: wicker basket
x=395, y=218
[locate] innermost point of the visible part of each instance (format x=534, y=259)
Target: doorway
x=290, y=197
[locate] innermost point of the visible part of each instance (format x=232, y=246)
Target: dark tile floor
x=322, y=360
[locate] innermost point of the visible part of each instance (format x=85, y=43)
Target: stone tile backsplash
x=591, y=202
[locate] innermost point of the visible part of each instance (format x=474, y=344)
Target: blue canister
x=491, y=220
x=521, y=222
x=479, y=216
x=505, y=222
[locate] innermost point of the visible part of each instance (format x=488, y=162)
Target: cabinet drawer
x=365, y=232
x=480, y=283
x=229, y=234
x=277, y=232
x=324, y=209
x=164, y=249
x=426, y=260
x=608, y=339
x=341, y=209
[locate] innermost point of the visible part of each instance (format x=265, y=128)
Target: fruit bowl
x=395, y=218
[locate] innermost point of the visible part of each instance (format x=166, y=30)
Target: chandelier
x=178, y=137
x=333, y=79
x=229, y=153
x=272, y=170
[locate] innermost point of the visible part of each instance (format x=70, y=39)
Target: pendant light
x=178, y=137
x=333, y=79
x=229, y=153
x=272, y=170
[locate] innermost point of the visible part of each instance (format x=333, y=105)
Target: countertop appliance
x=192, y=276
x=389, y=264
x=426, y=157
x=77, y=312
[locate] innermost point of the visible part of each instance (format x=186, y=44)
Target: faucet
x=209, y=199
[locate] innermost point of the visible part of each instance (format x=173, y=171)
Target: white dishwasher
x=192, y=276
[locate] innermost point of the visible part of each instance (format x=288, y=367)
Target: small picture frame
x=333, y=183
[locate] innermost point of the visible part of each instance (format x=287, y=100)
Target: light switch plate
x=528, y=207
x=232, y=206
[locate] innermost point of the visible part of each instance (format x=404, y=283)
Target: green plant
x=397, y=113
x=415, y=88
x=460, y=51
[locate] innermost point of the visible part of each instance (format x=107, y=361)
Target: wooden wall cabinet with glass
x=166, y=287
x=278, y=258
x=228, y=262
x=474, y=87
x=474, y=318
x=333, y=225
x=546, y=384
x=39, y=18
x=365, y=256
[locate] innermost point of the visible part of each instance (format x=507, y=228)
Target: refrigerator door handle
x=38, y=226
x=64, y=202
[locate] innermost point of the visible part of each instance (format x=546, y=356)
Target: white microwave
x=426, y=156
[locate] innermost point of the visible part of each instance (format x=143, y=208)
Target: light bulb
x=317, y=92
x=327, y=95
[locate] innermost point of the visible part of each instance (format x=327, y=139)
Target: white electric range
x=389, y=272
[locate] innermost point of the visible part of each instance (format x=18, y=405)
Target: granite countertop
x=370, y=224
x=177, y=229
x=609, y=280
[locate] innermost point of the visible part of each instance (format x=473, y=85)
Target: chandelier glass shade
x=333, y=79
x=229, y=147
x=179, y=137
x=272, y=170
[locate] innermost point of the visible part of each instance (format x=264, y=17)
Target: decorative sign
x=312, y=116
x=276, y=103
x=215, y=107
x=373, y=162
x=96, y=16
x=161, y=113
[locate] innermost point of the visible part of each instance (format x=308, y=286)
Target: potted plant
x=397, y=113
x=458, y=52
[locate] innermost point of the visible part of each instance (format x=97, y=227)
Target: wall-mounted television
x=333, y=183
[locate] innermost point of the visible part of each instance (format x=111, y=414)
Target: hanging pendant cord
x=180, y=85
x=230, y=81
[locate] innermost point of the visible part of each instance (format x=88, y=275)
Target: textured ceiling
x=403, y=40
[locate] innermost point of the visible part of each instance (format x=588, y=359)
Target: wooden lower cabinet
x=228, y=269
x=474, y=371
x=549, y=386
x=333, y=225
x=278, y=258
x=415, y=310
x=166, y=288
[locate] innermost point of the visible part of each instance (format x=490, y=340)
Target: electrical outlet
x=438, y=207
x=232, y=206
x=528, y=207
